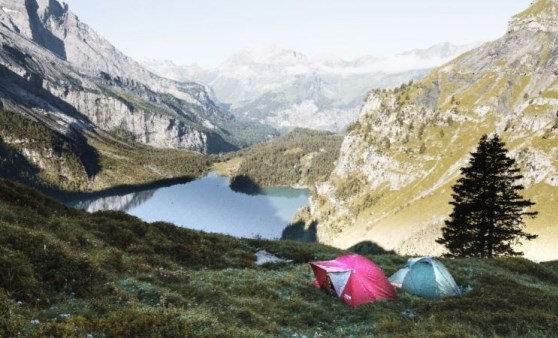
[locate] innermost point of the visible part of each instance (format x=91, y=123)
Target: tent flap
x=399, y=276
x=339, y=279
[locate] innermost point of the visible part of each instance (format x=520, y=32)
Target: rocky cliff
x=57, y=68
x=392, y=182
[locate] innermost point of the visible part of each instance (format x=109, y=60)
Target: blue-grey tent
x=426, y=277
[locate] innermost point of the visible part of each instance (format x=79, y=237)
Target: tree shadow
x=245, y=184
x=301, y=232
x=370, y=248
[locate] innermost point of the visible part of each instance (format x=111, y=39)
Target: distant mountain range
x=287, y=89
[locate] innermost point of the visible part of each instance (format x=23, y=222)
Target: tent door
x=339, y=279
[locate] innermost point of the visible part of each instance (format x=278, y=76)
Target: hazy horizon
x=208, y=32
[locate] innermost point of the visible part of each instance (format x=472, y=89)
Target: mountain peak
x=541, y=16
x=36, y=19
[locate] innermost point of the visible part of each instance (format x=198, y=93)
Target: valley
x=301, y=158
x=73, y=123
x=77, y=124
x=137, y=197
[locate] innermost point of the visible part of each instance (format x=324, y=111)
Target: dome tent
x=354, y=279
x=426, y=277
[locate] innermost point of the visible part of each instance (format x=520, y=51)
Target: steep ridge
x=76, y=75
x=392, y=182
x=287, y=89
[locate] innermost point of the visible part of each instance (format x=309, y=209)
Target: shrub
x=145, y=323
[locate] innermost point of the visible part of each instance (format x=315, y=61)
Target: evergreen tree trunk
x=490, y=241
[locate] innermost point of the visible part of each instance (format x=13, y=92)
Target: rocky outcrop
x=392, y=182
x=542, y=16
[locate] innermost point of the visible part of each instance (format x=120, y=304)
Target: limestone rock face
x=392, y=182
x=58, y=70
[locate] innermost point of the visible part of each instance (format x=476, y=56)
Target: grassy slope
x=95, y=162
x=67, y=273
x=58, y=160
x=299, y=158
x=125, y=162
x=302, y=157
x=397, y=218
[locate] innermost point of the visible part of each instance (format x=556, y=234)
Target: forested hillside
x=36, y=155
x=301, y=158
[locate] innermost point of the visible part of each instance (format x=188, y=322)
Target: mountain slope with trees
x=303, y=157
x=59, y=74
x=392, y=182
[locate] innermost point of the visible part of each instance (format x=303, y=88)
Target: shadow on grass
x=370, y=248
x=14, y=166
x=301, y=232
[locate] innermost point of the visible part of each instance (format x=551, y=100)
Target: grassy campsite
x=66, y=273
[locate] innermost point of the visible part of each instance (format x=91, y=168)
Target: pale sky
x=209, y=31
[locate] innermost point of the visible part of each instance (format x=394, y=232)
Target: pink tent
x=354, y=279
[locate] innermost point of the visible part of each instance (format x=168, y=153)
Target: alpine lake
x=207, y=204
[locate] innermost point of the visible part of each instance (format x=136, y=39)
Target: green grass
x=66, y=273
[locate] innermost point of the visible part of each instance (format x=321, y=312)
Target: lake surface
x=207, y=204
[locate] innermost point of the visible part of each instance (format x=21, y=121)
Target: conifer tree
x=488, y=210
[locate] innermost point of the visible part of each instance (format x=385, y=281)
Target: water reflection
x=123, y=202
x=209, y=204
